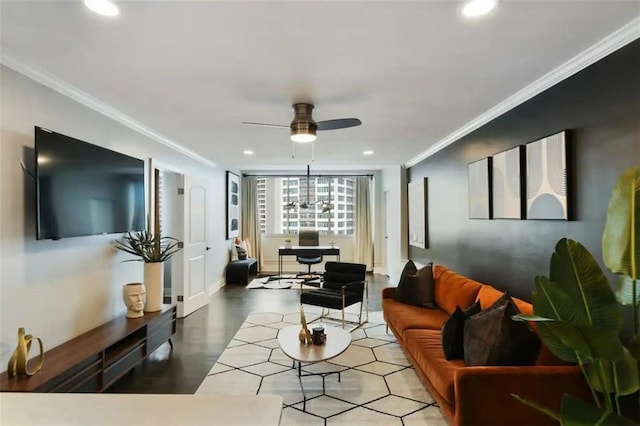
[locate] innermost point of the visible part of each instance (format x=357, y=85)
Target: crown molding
x=66, y=89
x=589, y=56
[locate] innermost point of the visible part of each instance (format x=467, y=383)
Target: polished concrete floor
x=202, y=336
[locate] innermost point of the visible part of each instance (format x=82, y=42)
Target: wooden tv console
x=94, y=360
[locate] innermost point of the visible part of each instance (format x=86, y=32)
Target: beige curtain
x=250, y=217
x=363, y=251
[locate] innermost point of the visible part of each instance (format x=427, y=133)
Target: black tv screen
x=83, y=189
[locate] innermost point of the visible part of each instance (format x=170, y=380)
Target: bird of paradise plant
x=580, y=317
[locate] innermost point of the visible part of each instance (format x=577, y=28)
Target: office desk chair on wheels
x=309, y=238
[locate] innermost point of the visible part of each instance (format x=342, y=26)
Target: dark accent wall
x=601, y=107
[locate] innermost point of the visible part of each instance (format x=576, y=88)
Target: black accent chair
x=344, y=285
x=309, y=238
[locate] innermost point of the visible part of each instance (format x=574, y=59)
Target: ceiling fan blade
x=340, y=123
x=265, y=124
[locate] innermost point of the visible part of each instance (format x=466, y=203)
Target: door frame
x=177, y=265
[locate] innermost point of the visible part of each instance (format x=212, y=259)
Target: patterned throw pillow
x=491, y=337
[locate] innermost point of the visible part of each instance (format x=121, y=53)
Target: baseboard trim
x=216, y=286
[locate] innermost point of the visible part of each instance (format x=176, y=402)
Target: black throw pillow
x=452, y=332
x=416, y=288
x=491, y=337
x=403, y=291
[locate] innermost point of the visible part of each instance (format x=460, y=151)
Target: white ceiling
x=414, y=72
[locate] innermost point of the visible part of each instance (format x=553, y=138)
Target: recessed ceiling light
x=475, y=8
x=102, y=7
x=247, y=152
x=367, y=152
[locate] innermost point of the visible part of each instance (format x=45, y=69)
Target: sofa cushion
x=403, y=291
x=410, y=268
x=416, y=288
x=453, y=290
x=401, y=316
x=488, y=295
x=426, y=349
x=491, y=337
x=453, y=332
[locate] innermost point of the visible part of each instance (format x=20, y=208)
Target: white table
x=337, y=341
x=69, y=409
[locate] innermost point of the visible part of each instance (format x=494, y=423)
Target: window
x=282, y=205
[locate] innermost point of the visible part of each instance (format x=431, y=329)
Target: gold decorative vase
x=18, y=361
x=305, y=335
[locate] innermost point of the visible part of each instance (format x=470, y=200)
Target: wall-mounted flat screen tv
x=83, y=189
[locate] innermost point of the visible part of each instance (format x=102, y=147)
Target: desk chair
x=309, y=238
x=344, y=285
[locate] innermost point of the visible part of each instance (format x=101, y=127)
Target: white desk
x=49, y=409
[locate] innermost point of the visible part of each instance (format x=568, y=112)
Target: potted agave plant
x=153, y=250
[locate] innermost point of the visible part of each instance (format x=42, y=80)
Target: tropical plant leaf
x=534, y=318
x=576, y=412
x=634, y=347
x=575, y=270
x=589, y=342
x=624, y=291
x=621, y=377
x=550, y=301
x=549, y=412
x=621, y=237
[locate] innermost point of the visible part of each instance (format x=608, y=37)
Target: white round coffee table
x=337, y=341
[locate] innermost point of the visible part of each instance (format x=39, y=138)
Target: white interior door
x=194, y=291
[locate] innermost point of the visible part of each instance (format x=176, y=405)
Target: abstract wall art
x=418, y=224
x=547, y=176
x=507, y=184
x=233, y=205
x=480, y=189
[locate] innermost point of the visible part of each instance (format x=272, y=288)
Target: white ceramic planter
x=153, y=281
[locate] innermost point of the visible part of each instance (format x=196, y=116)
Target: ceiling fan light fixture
x=303, y=137
x=102, y=7
x=303, y=128
x=476, y=8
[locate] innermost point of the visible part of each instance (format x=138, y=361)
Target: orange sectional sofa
x=476, y=395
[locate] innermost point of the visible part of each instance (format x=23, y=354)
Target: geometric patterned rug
x=285, y=282
x=378, y=385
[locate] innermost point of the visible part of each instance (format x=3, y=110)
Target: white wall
x=60, y=289
x=394, y=182
x=379, y=262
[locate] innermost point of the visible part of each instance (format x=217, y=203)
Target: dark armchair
x=344, y=285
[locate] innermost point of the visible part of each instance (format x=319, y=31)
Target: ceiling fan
x=303, y=127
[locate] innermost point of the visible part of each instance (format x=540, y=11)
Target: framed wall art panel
x=233, y=205
x=547, y=178
x=480, y=189
x=507, y=178
x=418, y=223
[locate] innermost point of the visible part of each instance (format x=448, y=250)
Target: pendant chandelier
x=306, y=205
